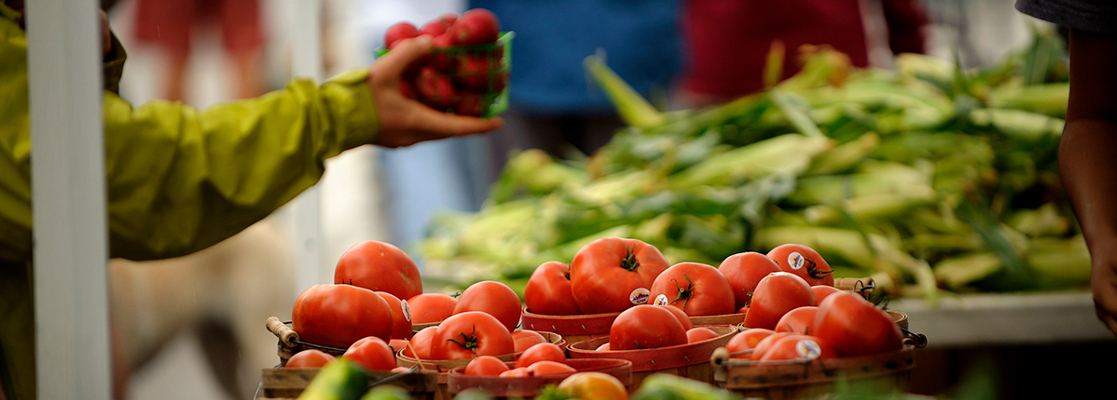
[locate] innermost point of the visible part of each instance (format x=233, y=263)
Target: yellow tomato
x=594, y=386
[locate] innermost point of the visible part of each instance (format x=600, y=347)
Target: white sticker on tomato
x=661, y=300
x=808, y=349
x=639, y=296
x=796, y=260
x=406, y=310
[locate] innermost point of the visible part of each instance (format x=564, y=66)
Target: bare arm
x=1088, y=159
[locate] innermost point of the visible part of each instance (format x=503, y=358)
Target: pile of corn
x=926, y=177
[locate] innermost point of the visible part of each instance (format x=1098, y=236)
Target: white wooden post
x=68, y=191
x=306, y=53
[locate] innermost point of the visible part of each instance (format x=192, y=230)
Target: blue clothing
x=640, y=39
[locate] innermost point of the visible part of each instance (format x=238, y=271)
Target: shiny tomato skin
x=546, y=367
x=594, y=386
x=798, y=347
x=548, y=290
x=744, y=271
x=541, y=352
x=470, y=334
x=853, y=326
x=821, y=291
x=612, y=274
x=645, y=327
x=338, y=315
x=803, y=261
x=525, y=339
x=379, y=266
x=698, y=289
x=746, y=340
x=398, y=344
x=766, y=344
x=514, y=373
x=401, y=321
x=603, y=347
x=485, y=366
x=494, y=298
x=309, y=358
x=699, y=334
x=798, y=320
x=431, y=307
x=680, y=315
x=372, y=354
x=421, y=343
x=775, y=295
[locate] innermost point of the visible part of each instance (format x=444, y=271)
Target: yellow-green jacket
x=178, y=179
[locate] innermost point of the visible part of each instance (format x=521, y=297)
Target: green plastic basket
x=491, y=94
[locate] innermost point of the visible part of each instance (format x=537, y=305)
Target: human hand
x=1103, y=278
x=404, y=121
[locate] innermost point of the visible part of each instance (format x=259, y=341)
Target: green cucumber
x=338, y=380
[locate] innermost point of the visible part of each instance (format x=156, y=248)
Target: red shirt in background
x=727, y=41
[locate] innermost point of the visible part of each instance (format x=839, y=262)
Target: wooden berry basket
x=282, y=383
x=573, y=328
x=529, y=386
x=689, y=360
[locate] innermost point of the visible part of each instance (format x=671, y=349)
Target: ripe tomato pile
x=790, y=307
x=465, y=69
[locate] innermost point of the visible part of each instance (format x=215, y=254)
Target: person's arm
x=1088, y=159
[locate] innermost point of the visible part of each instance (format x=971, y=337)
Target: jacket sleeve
x=181, y=179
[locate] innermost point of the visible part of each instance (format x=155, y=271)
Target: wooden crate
x=290, y=382
x=573, y=328
x=529, y=386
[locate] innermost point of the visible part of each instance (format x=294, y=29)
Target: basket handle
x=285, y=334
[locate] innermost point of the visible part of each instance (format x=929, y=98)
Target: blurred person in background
x=551, y=107
x=1088, y=147
x=171, y=25
x=180, y=179
x=728, y=41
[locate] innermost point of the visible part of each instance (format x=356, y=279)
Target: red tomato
x=699, y=334
x=603, y=347
x=397, y=344
x=338, y=315
x=541, y=352
x=798, y=320
x=309, y=358
x=476, y=26
x=471, y=334
x=401, y=321
x=853, y=326
x=613, y=274
x=775, y=295
x=431, y=307
x=399, y=31
x=744, y=271
x=645, y=327
x=821, y=291
x=696, y=288
x=766, y=344
x=514, y=373
x=525, y=339
x=746, y=340
x=494, y=298
x=421, y=343
x=803, y=261
x=549, y=368
x=372, y=354
x=548, y=290
x=485, y=366
x=381, y=267
x=798, y=347
x=399, y=370
x=680, y=315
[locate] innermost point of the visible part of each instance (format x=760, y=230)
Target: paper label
x=406, y=310
x=808, y=349
x=796, y=260
x=661, y=300
x=639, y=296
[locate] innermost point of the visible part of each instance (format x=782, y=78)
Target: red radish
x=433, y=28
x=438, y=57
x=471, y=105
x=435, y=89
x=407, y=90
x=473, y=70
x=476, y=26
x=399, y=31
